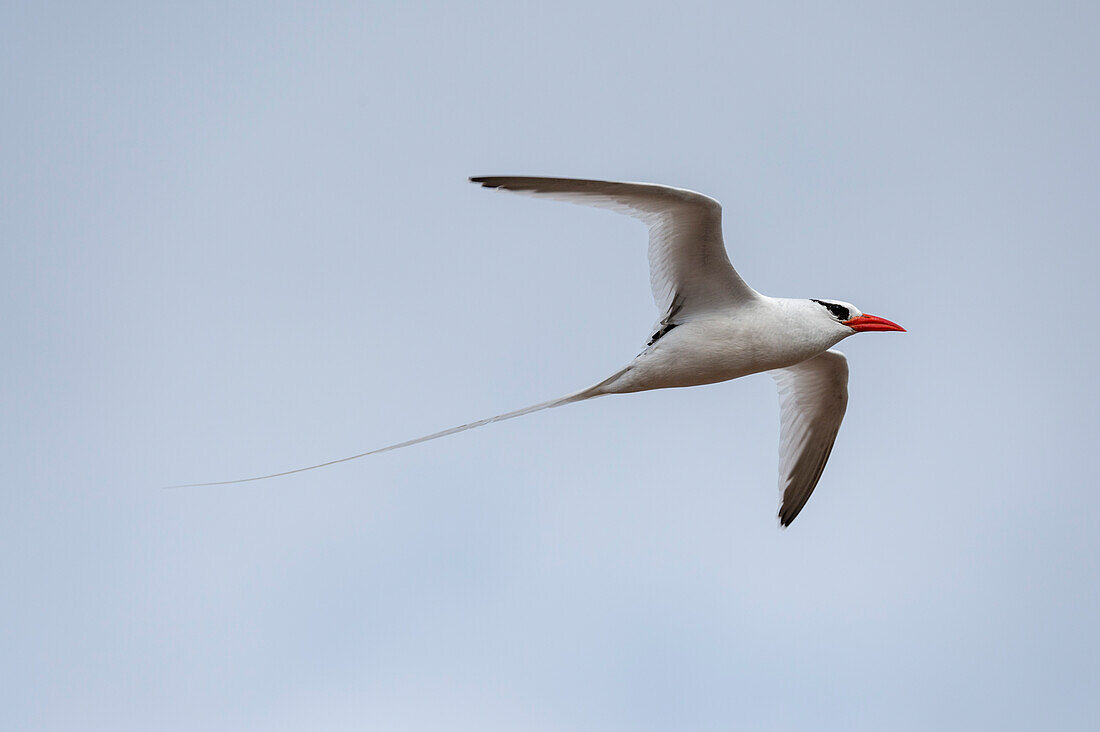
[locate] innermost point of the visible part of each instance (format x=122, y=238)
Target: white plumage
x=713, y=327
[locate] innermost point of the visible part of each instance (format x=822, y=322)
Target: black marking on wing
x=669, y=321
x=665, y=328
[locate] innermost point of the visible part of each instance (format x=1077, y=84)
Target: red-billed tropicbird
x=713, y=328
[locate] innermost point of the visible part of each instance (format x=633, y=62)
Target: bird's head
x=849, y=316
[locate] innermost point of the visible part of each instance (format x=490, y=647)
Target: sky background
x=239, y=239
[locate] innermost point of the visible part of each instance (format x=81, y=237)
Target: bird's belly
x=693, y=354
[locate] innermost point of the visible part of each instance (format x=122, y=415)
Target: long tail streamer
x=588, y=393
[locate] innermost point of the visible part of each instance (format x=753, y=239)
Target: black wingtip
x=495, y=182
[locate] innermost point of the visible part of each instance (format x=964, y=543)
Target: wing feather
x=689, y=269
x=813, y=397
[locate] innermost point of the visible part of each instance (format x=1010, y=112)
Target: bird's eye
x=839, y=312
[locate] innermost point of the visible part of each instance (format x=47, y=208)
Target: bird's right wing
x=689, y=269
x=813, y=396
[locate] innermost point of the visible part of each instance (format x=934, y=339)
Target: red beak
x=872, y=322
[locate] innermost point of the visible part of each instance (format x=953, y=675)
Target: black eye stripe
x=839, y=311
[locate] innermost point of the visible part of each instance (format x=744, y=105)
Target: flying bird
x=713, y=327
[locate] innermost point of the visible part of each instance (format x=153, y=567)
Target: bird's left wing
x=812, y=398
x=689, y=269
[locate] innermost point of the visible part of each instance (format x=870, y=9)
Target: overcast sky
x=240, y=239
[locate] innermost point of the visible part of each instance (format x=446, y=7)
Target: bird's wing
x=812, y=398
x=688, y=266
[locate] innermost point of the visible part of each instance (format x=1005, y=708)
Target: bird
x=712, y=327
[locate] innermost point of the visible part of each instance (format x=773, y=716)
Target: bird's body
x=713, y=327
x=765, y=334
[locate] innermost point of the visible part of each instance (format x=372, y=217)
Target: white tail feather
x=592, y=391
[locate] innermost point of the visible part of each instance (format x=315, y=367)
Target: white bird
x=713, y=327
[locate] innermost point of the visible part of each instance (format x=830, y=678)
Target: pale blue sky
x=239, y=239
